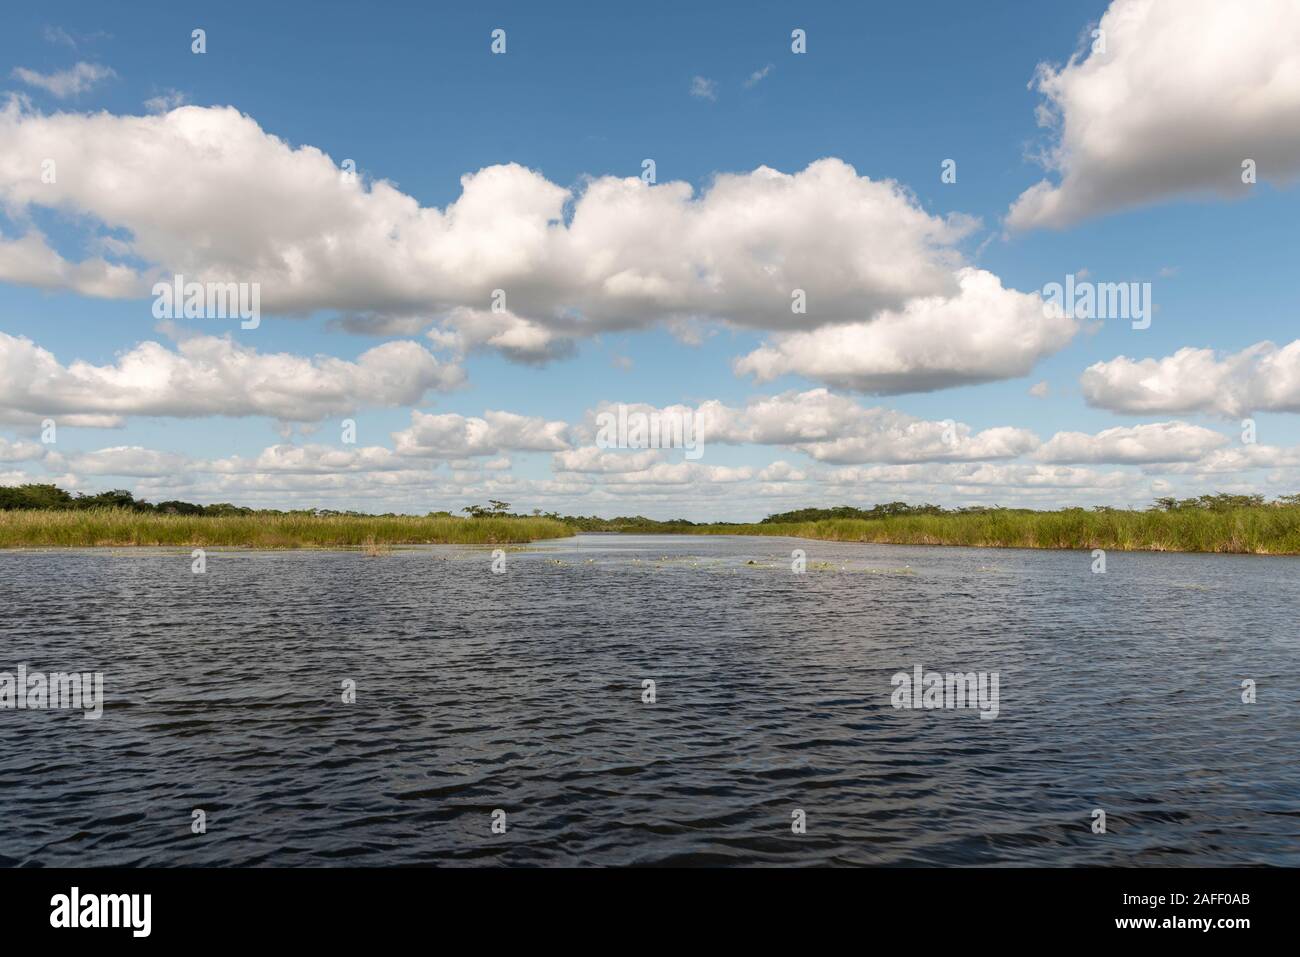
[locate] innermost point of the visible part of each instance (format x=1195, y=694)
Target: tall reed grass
x=109, y=526
x=1263, y=530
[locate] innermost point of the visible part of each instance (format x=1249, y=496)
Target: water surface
x=522, y=692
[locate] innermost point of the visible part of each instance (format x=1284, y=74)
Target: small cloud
x=782, y=471
x=166, y=102
x=60, y=37
x=1168, y=272
x=621, y=362
x=65, y=83
x=1082, y=273
x=984, y=244
x=703, y=88
x=757, y=76
x=690, y=331
x=1039, y=390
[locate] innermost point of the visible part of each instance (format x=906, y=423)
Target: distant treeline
x=1214, y=503
x=639, y=523
x=51, y=497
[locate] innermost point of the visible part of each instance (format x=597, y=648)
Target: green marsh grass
x=122, y=527
x=1258, y=530
x=1261, y=530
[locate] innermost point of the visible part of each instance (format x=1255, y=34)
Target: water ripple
x=523, y=692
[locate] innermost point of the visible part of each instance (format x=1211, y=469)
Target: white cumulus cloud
x=982, y=333
x=1183, y=93
x=1134, y=445
x=242, y=205
x=212, y=376
x=833, y=428
x=1263, y=377
x=451, y=435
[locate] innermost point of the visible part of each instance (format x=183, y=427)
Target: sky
x=831, y=241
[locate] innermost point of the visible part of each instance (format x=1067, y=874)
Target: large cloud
x=1263, y=377
x=1183, y=93
x=982, y=333
x=451, y=435
x=834, y=428
x=1134, y=445
x=592, y=460
x=207, y=193
x=210, y=375
x=313, y=459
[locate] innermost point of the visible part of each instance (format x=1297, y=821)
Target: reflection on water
x=522, y=692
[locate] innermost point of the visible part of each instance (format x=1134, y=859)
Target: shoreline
x=379, y=548
x=1208, y=533
x=1267, y=530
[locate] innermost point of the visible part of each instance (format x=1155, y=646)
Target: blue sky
x=415, y=97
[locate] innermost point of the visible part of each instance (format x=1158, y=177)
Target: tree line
x=36, y=496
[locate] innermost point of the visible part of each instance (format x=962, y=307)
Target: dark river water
x=522, y=692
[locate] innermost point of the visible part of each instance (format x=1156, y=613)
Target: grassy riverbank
x=1258, y=530
x=1240, y=524
x=121, y=527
